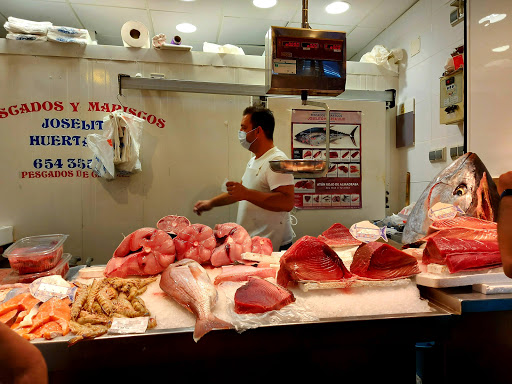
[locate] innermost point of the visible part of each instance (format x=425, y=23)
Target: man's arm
x=278, y=200
x=505, y=224
x=217, y=201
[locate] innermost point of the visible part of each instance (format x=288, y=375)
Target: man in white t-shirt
x=265, y=197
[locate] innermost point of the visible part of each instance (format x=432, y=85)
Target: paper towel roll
x=135, y=34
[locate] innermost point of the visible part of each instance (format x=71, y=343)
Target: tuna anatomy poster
x=340, y=187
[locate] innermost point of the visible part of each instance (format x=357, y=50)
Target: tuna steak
x=338, y=236
x=195, y=242
x=310, y=259
x=465, y=183
x=380, y=261
x=462, y=254
x=172, y=223
x=144, y=252
x=262, y=245
x=187, y=282
x=467, y=222
x=259, y=295
x=232, y=241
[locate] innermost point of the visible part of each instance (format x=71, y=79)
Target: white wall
x=490, y=79
x=419, y=79
x=185, y=161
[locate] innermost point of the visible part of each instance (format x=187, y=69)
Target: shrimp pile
x=97, y=304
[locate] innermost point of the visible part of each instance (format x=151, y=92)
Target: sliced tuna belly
x=259, y=295
x=462, y=254
x=144, y=252
x=232, y=241
x=338, y=236
x=310, y=259
x=195, y=242
x=172, y=223
x=243, y=273
x=380, y=261
x=467, y=222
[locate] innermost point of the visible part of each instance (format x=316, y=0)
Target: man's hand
x=202, y=206
x=236, y=191
x=505, y=182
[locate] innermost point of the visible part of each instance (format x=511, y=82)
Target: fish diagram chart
x=341, y=186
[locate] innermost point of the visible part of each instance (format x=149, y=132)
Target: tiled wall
x=419, y=79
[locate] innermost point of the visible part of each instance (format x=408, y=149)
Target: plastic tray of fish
x=298, y=165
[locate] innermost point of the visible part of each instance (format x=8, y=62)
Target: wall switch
x=460, y=150
x=454, y=152
x=437, y=154
x=432, y=155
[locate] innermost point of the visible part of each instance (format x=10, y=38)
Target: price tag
x=442, y=211
x=125, y=325
x=47, y=287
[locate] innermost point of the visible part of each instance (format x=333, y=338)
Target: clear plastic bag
x=116, y=151
x=295, y=312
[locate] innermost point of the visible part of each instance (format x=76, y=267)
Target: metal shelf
x=144, y=83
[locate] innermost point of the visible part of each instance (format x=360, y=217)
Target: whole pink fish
x=187, y=282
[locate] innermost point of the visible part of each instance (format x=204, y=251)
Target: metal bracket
x=119, y=77
x=391, y=104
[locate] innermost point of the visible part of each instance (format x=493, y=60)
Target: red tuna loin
x=462, y=222
x=338, y=236
x=172, y=223
x=259, y=296
x=262, y=245
x=462, y=254
x=243, y=273
x=379, y=261
x=195, y=242
x=310, y=259
x=465, y=233
x=144, y=252
x=232, y=241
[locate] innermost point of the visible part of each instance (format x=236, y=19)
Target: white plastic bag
x=130, y=134
x=381, y=56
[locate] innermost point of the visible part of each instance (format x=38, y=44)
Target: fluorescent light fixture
x=503, y=48
x=264, y=3
x=493, y=18
x=337, y=7
x=186, y=28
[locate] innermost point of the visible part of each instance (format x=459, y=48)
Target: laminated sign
x=341, y=186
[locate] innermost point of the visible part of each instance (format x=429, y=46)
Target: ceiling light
x=186, y=28
x=264, y=3
x=503, y=48
x=337, y=7
x=493, y=18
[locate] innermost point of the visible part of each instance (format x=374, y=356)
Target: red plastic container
x=35, y=253
x=61, y=268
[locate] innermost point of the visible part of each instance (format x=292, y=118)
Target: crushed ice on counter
x=328, y=303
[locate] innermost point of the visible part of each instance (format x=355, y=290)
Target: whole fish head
x=465, y=183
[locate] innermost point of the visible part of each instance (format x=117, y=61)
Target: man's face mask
x=242, y=136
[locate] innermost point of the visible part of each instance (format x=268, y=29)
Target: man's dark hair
x=262, y=117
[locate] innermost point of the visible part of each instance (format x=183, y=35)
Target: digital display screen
x=333, y=47
x=451, y=80
x=291, y=44
x=307, y=45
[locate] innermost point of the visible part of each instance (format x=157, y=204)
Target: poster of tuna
x=340, y=188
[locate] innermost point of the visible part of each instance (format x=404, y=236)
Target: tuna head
x=465, y=183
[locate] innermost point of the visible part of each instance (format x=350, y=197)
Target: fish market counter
x=480, y=338
x=365, y=348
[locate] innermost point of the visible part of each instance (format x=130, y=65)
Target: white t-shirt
x=258, y=221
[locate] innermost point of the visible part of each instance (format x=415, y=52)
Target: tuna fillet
x=262, y=245
x=467, y=222
x=145, y=252
x=338, y=236
x=460, y=254
x=243, y=273
x=310, y=259
x=260, y=295
x=195, y=242
x=380, y=261
x=232, y=241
